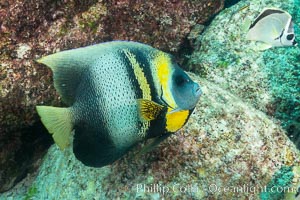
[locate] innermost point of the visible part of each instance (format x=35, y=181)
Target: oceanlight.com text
x=213, y=188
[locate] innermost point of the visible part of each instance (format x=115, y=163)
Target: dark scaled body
x=119, y=93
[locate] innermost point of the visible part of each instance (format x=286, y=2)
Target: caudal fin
x=58, y=122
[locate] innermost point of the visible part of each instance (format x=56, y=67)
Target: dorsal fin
x=67, y=67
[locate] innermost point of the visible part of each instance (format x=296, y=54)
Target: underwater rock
x=33, y=28
x=269, y=79
x=21, y=153
x=227, y=145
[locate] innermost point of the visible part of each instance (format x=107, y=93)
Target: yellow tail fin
x=58, y=122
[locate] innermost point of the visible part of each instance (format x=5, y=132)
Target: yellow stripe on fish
x=139, y=74
x=119, y=94
x=144, y=86
x=162, y=63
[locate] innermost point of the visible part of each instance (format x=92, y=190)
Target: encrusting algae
x=225, y=143
x=230, y=148
x=34, y=28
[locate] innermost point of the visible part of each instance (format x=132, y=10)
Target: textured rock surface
x=230, y=141
x=268, y=79
x=226, y=143
x=35, y=28
x=21, y=153
x=30, y=29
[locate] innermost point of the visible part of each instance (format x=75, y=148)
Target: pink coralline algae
x=34, y=28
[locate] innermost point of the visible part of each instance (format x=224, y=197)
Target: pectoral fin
x=149, y=110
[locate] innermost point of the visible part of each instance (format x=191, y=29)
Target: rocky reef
x=227, y=150
x=236, y=144
x=269, y=80
x=31, y=29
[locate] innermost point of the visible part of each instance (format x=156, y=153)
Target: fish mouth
x=197, y=90
x=295, y=43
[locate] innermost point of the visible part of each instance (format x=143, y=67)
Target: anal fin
x=94, y=147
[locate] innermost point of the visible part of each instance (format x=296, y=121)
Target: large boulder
x=227, y=150
x=269, y=79
x=31, y=29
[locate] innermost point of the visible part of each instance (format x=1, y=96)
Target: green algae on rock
x=269, y=80
x=30, y=29
x=226, y=144
x=283, y=70
x=281, y=180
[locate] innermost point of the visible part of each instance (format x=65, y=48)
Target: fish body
x=274, y=27
x=120, y=93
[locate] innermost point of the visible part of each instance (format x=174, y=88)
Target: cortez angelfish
x=120, y=93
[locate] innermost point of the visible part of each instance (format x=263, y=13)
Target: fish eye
x=180, y=80
x=290, y=36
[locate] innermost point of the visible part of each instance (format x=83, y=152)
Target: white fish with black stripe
x=274, y=27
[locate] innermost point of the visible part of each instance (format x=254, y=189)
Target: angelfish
x=119, y=94
x=274, y=27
